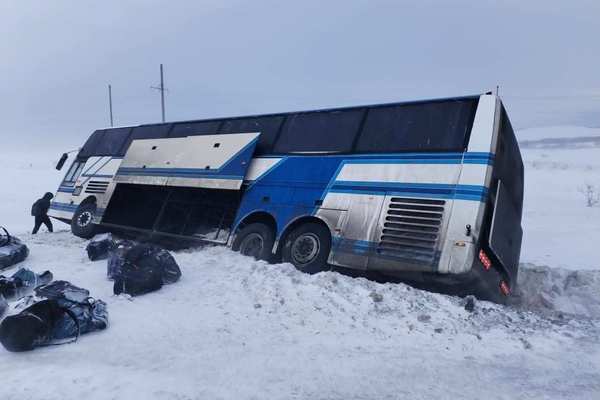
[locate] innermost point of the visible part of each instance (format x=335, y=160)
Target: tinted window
x=195, y=128
x=147, y=132
x=323, y=131
x=89, y=147
x=433, y=126
x=267, y=126
x=108, y=142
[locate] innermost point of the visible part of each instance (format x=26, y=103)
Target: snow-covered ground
x=559, y=230
x=237, y=328
x=234, y=328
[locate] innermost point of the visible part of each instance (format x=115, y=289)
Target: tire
x=81, y=224
x=307, y=248
x=255, y=240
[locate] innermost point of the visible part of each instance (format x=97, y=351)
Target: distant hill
x=559, y=137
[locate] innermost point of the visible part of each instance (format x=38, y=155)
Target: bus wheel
x=255, y=240
x=307, y=248
x=82, y=224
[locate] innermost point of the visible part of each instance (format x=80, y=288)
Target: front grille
x=411, y=230
x=97, y=187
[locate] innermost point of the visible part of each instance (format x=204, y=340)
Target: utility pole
x=497, y=90
x=162, y=89
x=110, y=104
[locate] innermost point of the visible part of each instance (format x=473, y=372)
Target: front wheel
x=255, y=240
x=307, y=247
x=82, y=224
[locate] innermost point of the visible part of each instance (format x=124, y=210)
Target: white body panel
x=194, y=161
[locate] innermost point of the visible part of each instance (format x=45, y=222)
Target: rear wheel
x=255, y=240
x=307, y=247
x=82, y=224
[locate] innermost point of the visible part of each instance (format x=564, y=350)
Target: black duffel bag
x=66, y=313
x=31, y=327
x=143, y=268
x=12, y=250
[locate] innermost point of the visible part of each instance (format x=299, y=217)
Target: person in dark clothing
x=39, y=210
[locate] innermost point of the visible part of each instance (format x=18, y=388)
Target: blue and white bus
x=427, y=190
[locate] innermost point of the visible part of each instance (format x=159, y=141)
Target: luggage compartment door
x=506, y=232
x=209, y=161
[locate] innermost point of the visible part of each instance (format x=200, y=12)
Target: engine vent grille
x=411, y=230
x=97, y=187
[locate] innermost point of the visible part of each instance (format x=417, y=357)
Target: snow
x=26, y=175
x=234, y=328
x=559, y=230
x=237, y=328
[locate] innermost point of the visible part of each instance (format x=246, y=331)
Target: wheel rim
x=305, y=248
x=84, y=219
x=252, y=245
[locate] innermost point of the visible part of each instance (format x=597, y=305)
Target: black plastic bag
x=100, y=246
x=22, y=282
x=116, y=258
x=143, y=268
x=3, y=305
x=31, y=327
x=65, y=314
x=12, y=250
x=135, y=280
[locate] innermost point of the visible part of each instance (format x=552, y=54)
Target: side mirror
x=61, y=162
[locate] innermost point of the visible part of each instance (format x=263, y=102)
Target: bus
x=427, y=191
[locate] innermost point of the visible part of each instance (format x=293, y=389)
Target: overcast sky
x=227, y=57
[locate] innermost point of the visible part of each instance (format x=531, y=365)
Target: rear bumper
x=485, y=284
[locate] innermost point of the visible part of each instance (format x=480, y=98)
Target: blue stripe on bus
x=63, y=206
x=176, y=172
x=484, y=158
x=442, y=191
x=66, y=189
x=408, y=158
x=72, y=207
x=442, y=158
x=353, y=245
x=301, y=179
x=97, y=176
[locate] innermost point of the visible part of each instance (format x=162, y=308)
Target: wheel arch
x=295, y=223
x=256, y=216
x=89, y=200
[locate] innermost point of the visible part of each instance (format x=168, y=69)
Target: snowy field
x=234, y=328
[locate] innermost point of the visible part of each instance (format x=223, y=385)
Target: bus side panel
x=353, y=240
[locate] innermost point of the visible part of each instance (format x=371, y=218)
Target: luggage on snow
x=99, y=247
x=22, y=283
x=141, y=268
x=12, y=250
x=65, y=312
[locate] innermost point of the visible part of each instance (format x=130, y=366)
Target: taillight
x=504, y=288
x=485, y=260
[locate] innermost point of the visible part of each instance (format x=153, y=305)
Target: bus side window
x=319, y=131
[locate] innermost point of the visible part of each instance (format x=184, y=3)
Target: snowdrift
x=555, y=290
x=237, y=328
